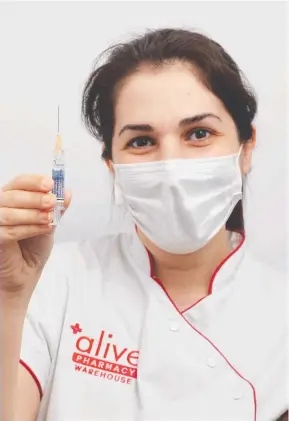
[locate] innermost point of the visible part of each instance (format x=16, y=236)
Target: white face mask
x=180, y=205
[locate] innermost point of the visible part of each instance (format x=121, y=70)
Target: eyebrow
x=185, y=122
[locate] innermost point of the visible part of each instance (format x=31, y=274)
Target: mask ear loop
x=123, y=215
x=246, y=189
x=239, y=153
x=115, y=198
x=238, y=159
x=118, y=213
x=118, y=195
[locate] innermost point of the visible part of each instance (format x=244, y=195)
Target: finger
x=67, y=199
x=30, y=182
x=14, y=217
x=22, y=232
x=26, y=200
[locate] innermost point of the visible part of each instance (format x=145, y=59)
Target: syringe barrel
x=58, y=177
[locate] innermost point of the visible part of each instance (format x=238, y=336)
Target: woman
x=174, y=320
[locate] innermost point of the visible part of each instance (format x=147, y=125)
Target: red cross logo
x=76, y=329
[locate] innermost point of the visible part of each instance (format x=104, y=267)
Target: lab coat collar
x=223, y=275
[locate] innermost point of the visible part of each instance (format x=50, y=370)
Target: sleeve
x=44, y=317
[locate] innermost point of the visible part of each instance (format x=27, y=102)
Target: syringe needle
x=58, y=120
x=58, y=146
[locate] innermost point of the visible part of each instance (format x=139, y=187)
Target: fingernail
x=46, y=217
x=47, y=184
x=49, y=199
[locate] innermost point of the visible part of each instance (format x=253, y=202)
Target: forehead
x=166, y=94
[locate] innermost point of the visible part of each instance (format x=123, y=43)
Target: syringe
x=58, y=173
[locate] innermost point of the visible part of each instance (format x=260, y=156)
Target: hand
x=26, y=233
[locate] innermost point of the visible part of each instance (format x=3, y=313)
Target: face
x=167, y=113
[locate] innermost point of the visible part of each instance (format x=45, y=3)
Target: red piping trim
x=213, y=277
x=35, y=378
x=193, y=305
x=228, y=362
x=224, y=261
x=195, y=329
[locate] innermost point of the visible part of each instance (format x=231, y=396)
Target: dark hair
x=213, y=65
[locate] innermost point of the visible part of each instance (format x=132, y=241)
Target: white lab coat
x=104, y=341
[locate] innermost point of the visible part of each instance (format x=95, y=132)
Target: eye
x=140, y=142
x=199, y=134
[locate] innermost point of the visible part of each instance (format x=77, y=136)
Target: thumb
x=67, y=200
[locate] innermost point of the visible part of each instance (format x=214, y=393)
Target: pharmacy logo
x=102, y=358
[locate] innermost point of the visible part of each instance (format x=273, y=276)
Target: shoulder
x=73, y=273
x=71, y=260
x=262, y=274
x=263, y=288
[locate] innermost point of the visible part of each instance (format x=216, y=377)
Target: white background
x=47, y=52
